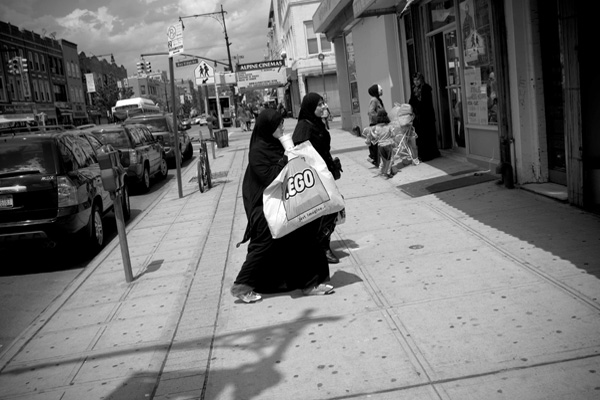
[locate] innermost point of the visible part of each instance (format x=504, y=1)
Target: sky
x=129, y=28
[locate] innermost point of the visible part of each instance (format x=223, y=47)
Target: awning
x=327, y=12
x=374, y=8
x=7, y=118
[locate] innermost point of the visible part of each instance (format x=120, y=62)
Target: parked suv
x=161, y=126
x=51, y=188
x=141, y=154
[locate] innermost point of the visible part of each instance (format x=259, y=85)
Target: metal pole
x=323, y=79
x=117, y=202
x=175, y=127
x=231, y=87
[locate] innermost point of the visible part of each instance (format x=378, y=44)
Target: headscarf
x=266, y=123
x=312, y=128
x=308, y=107
x=374, y=92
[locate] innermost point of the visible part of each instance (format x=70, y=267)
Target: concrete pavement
x=474, y=293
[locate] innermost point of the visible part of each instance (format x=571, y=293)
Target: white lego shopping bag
x=302, y=192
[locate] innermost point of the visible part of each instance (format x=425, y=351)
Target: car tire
x=125, y=204
x=145, y=182
x=189, y=152
x=95, y=229
x=163, y=169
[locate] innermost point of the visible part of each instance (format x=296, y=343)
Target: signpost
x=175, y=45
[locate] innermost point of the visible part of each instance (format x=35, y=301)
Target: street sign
x=185, y=63
x=175, y=39
x=204, y=73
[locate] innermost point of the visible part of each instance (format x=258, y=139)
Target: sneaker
x=320, y=290
x=416, y=161
x=249, y=297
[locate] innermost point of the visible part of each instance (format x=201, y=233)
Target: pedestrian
x=384, y=136
x=281, y=109
x=310, y=127
x=402, y=117
x=210, y=123
x=249, y=117
x=294, y=261
x=375, y=104
x=421, y=100
x=241, y=116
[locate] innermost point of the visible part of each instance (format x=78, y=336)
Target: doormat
x=443, y=183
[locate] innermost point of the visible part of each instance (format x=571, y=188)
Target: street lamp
x=321, y=58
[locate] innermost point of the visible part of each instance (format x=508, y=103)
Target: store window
x=143, y=89
x=351, y=63
x=441, y=13
x=478, y=56
x=2, y=89
x=317, y=43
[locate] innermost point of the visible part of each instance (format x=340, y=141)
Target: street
x=33, y=276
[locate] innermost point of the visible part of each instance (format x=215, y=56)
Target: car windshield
x=20, y=154
x=156, y=125
x=117, y=139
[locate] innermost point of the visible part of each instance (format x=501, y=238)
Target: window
x=68, y=69
x=2, y=89
x=315, y=43
x=36, y=90
x=36, y=61
x=478, y=53
x=143, y=89
x=47, y=85
x=351, y=63
x=43, y=63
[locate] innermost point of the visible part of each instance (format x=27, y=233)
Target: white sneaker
x=319, y=290
x=250, y=297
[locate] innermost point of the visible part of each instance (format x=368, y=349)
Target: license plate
x=6, y=201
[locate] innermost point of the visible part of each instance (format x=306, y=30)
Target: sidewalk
x=475, y=293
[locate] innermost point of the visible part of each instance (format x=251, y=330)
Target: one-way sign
x=186, y=62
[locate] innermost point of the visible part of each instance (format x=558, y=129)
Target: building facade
x=512, y=80
x=101, y=80
x=33, y=79
x=309, y=56
x=74, y=110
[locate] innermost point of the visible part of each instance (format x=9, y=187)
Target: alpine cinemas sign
x=260, y=65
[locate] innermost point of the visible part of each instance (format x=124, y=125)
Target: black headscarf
x=374, y=91
x=266, y=159
x=311, y=127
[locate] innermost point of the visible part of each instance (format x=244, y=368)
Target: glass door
x=453, y=87
x=449, y=89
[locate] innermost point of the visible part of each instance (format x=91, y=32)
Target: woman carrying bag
x=294, y=261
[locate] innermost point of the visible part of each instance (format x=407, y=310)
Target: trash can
x=221, y=138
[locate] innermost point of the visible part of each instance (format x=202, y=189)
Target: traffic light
x=148, y=67
x=24, y=68
x=141, y=67
x=13, y=66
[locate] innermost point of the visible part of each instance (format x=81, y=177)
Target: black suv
x=161, y=126
x=51, y=188
x=141, y=154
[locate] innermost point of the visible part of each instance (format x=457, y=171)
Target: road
x=31, y=277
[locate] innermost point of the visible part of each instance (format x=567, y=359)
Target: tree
x=106, y=97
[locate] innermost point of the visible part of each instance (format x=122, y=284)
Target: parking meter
x=113, y=179
x=110, y=168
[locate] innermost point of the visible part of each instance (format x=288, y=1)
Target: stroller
x=403, y=151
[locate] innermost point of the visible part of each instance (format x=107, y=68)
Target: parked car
x=161, y=126
x=51, y=188
x=141, y=153
x=186, y=123
x=200, y=120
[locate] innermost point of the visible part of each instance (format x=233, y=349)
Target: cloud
x=128, y=28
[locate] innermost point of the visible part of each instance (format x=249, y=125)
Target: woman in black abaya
x=294, y=261
x=311, y=127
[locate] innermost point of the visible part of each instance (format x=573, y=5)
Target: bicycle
x=204, y=174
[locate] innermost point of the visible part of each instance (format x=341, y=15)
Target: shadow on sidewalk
x=254, y=372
